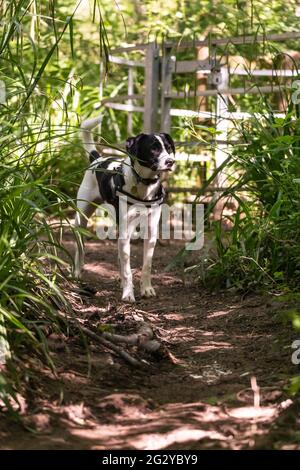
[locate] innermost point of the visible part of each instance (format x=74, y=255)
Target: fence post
x=221, y=128
x=151, y=88
x=166, y=84
x=130, y=90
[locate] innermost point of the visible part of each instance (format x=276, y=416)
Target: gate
x=161, y=66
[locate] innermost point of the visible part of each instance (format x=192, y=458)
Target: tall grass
x=263, y=246
x=38, y=124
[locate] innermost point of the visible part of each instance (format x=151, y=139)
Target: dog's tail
x=87, y=137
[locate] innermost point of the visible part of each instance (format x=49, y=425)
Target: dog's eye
x=155, y=147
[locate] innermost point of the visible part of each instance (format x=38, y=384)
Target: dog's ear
x=132, y=145
x=169, y=139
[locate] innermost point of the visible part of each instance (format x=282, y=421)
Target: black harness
x=111, y=183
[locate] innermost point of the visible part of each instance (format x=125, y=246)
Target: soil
x=220, y=383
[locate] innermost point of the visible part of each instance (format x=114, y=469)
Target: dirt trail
x=201, y=399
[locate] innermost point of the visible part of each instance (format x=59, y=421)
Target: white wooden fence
x=160, y=66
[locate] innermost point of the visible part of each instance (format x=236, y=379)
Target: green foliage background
x=66, y=89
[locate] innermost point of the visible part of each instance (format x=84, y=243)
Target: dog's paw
x=148, y=291
x=128, y=296
x=77, y=275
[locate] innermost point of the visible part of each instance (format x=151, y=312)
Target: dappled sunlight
x=195, y=412
x=107, y=270
x=177, y=423
x=212, y=333
x=179, y=436
x=218, y=313
x=211, y=345
x=212, y=373
x=261, y=413
x=178, y=317
x=168, y=280
x=174, y=423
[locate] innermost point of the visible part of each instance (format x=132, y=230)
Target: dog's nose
x=170, y=162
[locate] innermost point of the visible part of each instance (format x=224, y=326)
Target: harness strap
x=117, y=176
x=134, y=200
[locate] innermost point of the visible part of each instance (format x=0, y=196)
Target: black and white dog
x=136, y=177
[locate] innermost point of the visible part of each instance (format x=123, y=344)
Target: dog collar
x=145, y=181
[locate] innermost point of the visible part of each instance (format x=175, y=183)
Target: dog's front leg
x=149, y=244
x=127, y=223
x=125, y=270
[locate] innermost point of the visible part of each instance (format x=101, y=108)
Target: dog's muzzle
x=170, y=163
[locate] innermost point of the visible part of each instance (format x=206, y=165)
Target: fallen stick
x=99, y=339
x=142, y=339
x=145, y=333
x=108, y=344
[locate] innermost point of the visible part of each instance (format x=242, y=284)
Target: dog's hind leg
x=85, y=210
x=87, y=198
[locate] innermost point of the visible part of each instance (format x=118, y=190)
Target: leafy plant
x=38, y=124
x=262, y=246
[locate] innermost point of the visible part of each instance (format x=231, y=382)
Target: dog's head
x=153, y=151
